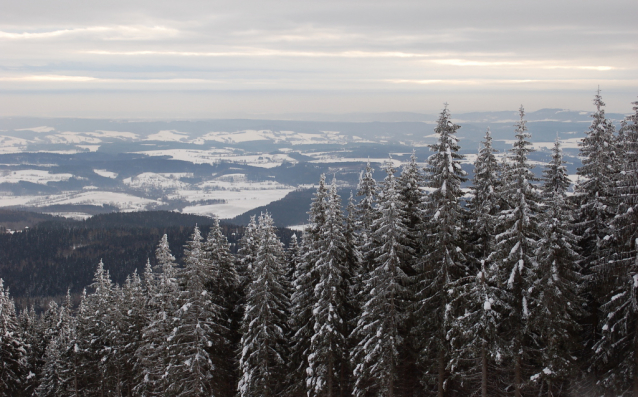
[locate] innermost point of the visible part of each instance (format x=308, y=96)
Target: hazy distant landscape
x=80, y=167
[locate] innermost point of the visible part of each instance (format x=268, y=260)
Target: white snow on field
x=232, y=178
x=333, y=158
x=298, y=228
x=114, y=134
x=72, y=137
x=237, y=202
x=301, y=138
x=78, y=216
x=218, y=155
x=34, y=176
x=38, y=129
x=90, y=148
x=239, y=196
x=239, y=136
x=151, y=180
x=168, y=136
x=9, y=144
x=106, y=174
x=570, y=143
x=125, y=202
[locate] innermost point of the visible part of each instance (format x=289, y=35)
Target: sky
x=215, y=59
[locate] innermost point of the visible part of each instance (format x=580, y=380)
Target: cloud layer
x=389, y=56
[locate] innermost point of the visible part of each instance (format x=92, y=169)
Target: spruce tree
x=303, y=296
x=223, y=292
x=375, y=358
x=555, y=301
x=486, y=200
x=443, y=262
x=197, y=330
x=514, y=255
x=325, y=375
x=595, y=209
x=153, y=352
x=263, y=344
x=97, y=335
x=477, y=342
x=618, y=346
x=12, y=348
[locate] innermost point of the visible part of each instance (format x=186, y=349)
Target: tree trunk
x=636, y=360
x=330, y=375
x=484, y=370
x=342, y=379
x=441, y=380
x=517, y=376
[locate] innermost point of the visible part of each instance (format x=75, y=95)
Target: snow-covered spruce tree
x=555, y=302
x=293, y=257
x=97, y=322
x=486, y=201
x=35, y=336
x=153, y=352
x=376, y=356
x=303, y=298
x=12, y=348
x=595, y=209
x=443, y=262
x=133, y=306
x=326, y=373
x=263, y=344
x=618, y=346
x=477, y=338
x=198, y=329
x=246, y=255
x=223, y=292
x=410, y=184
x=58, y=374
x=367, y=190
x=514, y=255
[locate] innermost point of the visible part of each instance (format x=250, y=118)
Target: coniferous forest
x=521, y=287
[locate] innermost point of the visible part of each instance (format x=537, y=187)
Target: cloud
x=106, y=32
x=347, y=48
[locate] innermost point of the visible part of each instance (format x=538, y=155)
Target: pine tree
x=57, y=373
x=443, y=262
x=410, y=185
x=70, y=368
x=263, y=343
x=222, y=290
x=35, y=336
x=475, y=334
x=133, y=306
x=595, y=209
x=365, y=213
x=555, y=301
x=367, y=190
x=198, y=329
x=376, y=356
x=12, y=348
x=516, y=246
x=153, y=352
x=618, y=346
x=325, y=375
x=303, y=296
x=96, y=335
x=486, y=201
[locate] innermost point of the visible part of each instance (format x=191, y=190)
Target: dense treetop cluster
x=521, y=287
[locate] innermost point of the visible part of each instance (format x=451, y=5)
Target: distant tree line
x=522, y=288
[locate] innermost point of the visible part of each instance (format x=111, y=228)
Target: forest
x=522, y=287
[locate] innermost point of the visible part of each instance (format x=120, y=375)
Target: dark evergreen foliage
x=527, y=290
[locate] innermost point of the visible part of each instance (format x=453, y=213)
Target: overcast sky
x=186, y=59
